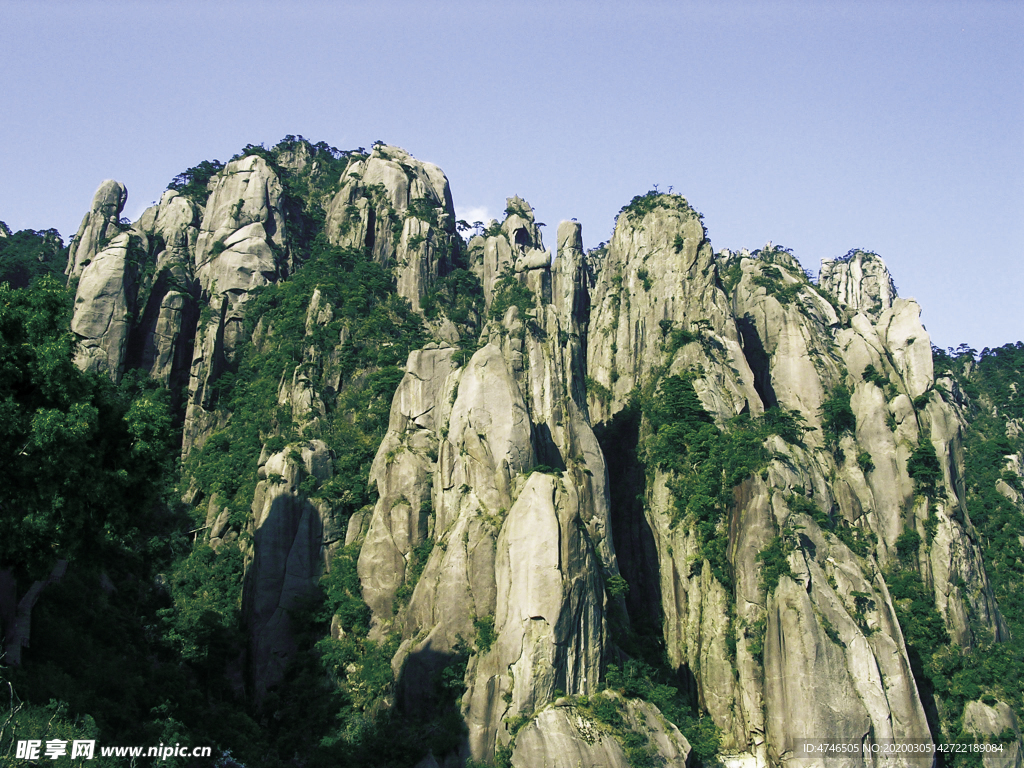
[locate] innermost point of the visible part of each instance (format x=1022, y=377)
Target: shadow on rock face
x=428, y=680
x=634, y=543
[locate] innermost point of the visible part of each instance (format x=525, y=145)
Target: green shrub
x=774, y=559
x=789, y=425
x=836, y=414
x=417, y=562
x=923, y=627
x=679, y=338
x=923, y=466
x=772, y=281
x=485, y=635
x=516, y=723
x=732, y=276
x=705, y=462
x=616, y=586
x=343, y=595
x=830, y=632
x=598, y=390
x=907, y=545
x=424, y=209
x=606, y=710
x=503, y=756
x=874, y=377
x=864, y=462
x=804, y=505
x=859, y=542
x=27, y=255
x=508, y=291
x=194, y=182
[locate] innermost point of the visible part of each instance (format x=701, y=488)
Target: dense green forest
x=142, y=642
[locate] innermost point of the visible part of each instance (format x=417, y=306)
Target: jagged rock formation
x=134, y=305
x=517, y=486
x=564, y=736
x=401, y=210
x=819, y=642
x=240, y=247
x=528, y=548
x=860, y=282
x=289, y=533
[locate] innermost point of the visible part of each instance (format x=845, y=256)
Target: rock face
x=98, y=259
x=759, y=336
x=240, y=246
x=989, y=722
x=164, y=331
x=287, y=556
x=100, y=224
x=860, y=281
x=134, y=304
x=401, y=209
x=495, y=462
x=565, y=736
x=520, y=516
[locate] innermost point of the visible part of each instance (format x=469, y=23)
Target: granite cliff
x=581, y=507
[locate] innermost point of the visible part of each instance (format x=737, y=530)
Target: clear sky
x=896, y=127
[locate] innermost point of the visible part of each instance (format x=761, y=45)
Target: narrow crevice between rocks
x=635, y=547
x=758, y=360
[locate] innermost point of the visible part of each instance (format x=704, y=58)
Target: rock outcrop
x=99, y=260
x=860, y=281
x=135, y=305
x=494, y=461
x=290, y=537
x=401, y=210
x=996, y=724
x=565, y=735
x=240, y=246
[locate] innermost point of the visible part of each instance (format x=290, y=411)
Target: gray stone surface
x=287, y=558
x=564, y=736
x=861, y=283
x=401, y=209
x=988, y=722
x=242, y=227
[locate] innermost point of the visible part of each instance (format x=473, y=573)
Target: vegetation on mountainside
x=706, y=462
x=508, y=292
x=677, y=435
x=81, y=456
x=770, y=278
x=651, y=200
x=948, y=675
x=381, y=330
x=88, y=478
x=28, y=255
x=194, y=182
x=837, y=417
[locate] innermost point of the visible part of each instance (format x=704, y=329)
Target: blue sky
x=823, y=126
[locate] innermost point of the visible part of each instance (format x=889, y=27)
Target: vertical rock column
x=99, y=261
x=239, y=247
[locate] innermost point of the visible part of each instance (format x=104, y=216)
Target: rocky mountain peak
x=859, y=281
x=98, y=226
